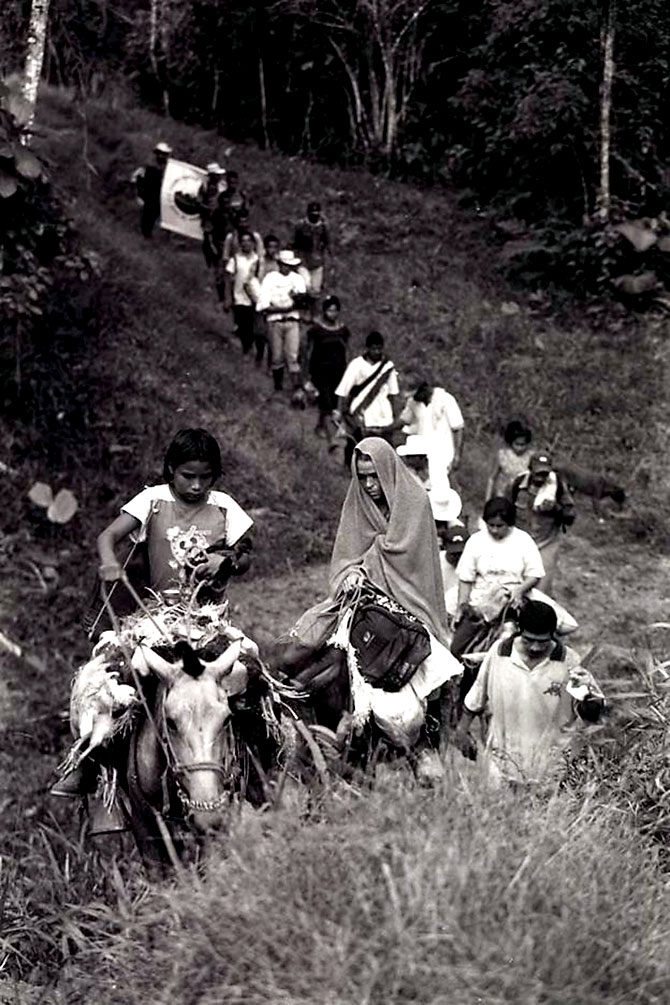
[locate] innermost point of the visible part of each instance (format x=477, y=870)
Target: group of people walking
x=401, y=527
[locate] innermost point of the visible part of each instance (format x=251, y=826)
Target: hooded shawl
x=399, y=555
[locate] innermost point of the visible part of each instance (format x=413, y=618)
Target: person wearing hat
x=535, y=690
x=148, y=182
x=279, y=298
x=544, y=508
x=415, y=453
x=433, y=413
x=452, y=538
x=208, y=198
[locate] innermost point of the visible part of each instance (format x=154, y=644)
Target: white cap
x=163, y=148
x=287, y=258
x=215, y=168
x=414, y=446
x=448, y=507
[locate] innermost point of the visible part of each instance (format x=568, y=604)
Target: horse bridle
x=178, y=769
x=172, y=764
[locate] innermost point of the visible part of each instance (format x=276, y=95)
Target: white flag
x=179, y=198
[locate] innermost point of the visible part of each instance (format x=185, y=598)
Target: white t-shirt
x=277, y=290
x=488, y=564
x=380, y=412
x=178, y=533
x=242, y=268
x=436, y=421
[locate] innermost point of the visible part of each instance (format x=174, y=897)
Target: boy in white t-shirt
x=241, y=271
x=367, y=396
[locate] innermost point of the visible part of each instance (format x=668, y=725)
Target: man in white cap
x=544, y=508
x=208, y=198
x=148, y=181
x=280, y=296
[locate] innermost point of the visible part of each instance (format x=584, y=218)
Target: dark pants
x=325, y=380
x=467, y=631
x=244, y=322
x=210, y=253
x=148, y=218
x=360, y=433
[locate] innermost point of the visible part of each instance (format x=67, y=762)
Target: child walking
x=511, y=460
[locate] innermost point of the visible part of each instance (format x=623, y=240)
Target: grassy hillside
x=458, y=897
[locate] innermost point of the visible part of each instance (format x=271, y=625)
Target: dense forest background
x=504, y=97
x=554, y=111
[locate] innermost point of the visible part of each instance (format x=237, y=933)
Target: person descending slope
x=148, y=181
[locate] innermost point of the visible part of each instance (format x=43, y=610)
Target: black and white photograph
x=334, y=509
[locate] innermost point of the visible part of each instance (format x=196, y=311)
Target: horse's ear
x=236, y=681
x=146, y=657
x=223, y=664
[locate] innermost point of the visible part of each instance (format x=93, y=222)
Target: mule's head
x=196, y=712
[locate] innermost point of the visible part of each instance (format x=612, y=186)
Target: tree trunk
x=155, y=17
x=37, y=35
x=264, y=104
x=607, y=41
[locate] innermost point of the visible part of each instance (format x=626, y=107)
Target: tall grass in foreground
x=448, y=898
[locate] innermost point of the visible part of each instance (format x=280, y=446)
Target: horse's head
x=195, y=711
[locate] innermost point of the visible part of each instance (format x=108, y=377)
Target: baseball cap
x=215, y=168
x=455, y=537
x=163, y=148
x=541, y=461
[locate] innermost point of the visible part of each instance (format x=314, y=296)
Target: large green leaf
x=27, y=164
x=41, y=495
x=63, y=508
x=18, y=107
x=8, y=185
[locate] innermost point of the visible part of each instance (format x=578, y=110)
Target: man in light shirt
x=367, y=396
x=279, y=299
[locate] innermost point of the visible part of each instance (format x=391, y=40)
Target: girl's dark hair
x=246, y=233
x=517, y=430
x=423, y=392
x=192, y=445
x=331, y=301
x=502, y=507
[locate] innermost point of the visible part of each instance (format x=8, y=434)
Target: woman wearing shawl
x=386, y=535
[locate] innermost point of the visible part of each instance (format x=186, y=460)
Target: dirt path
x=612, y=595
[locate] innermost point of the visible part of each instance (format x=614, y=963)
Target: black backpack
x=390, y=643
